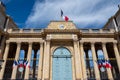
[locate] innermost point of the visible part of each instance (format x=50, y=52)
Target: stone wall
x=118, y=19
x=110, y=23
x=2, y=17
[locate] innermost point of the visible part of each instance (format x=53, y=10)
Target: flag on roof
x=15, y=63
x=61, y=13
x=64, y=17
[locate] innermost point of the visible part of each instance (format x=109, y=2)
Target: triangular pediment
x=61, y=25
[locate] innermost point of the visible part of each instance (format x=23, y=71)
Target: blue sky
x=38, y=13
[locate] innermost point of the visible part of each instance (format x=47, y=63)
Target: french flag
x=108, y=65
x=99, y=64
x=64, y=17
x=104, y=63
x=15, y=63
x=26, y=64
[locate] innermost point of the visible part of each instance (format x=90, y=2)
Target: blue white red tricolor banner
x=64, y=17
x=104, y=63
x=24, y=64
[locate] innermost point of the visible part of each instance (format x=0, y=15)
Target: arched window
x=62, y=67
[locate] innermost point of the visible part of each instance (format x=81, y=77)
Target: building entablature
x=44, y=32
x=25, y=40
x=61, y=30
x=98, y=40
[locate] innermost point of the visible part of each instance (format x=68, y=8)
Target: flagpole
x=61, y=15
x=61, y=18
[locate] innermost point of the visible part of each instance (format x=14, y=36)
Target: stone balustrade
x=25, y=30
x=97, y=30
x=41, y=30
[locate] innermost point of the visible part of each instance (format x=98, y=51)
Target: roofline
x=12, y=21
x=111, y=18
x=60, y=21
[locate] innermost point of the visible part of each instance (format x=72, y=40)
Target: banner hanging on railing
x=21, y=64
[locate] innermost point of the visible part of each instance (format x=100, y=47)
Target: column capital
x=81, y=42
x=114, y=43
x=41, y=44
x=75, y=40
x=104, y=42
x=7, y=43
x=30, y=43
x=48, y=37
x=48, y=42
x=18, y=43
x=92, y=43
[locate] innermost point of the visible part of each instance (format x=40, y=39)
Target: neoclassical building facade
x=60, y=51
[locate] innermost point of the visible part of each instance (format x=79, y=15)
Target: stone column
x=77, y=61
x=5, y=60
x=40, y=65
x=83, y=61
x=110, y=77
x=119, y=46
x=117, y=55
x=25, y=58
x=27, y=70
x=96, y=70
x=46, y=70
x=14, y=71
x=0, y=46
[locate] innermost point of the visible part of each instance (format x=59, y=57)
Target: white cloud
x=82, y=12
